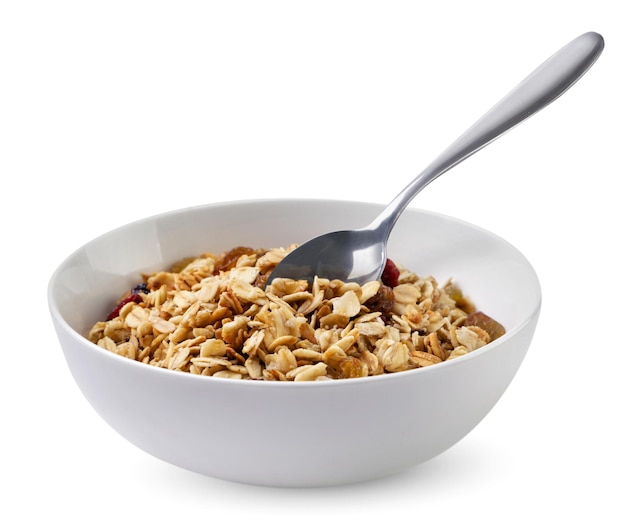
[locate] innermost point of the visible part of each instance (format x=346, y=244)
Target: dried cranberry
x=390, y=274
x=134, y=297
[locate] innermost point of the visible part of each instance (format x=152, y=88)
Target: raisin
x=390, y=274
x=133, y=297
x=351, y=367
x=226, y=261
x=261, y=280
x=383, y=301
x=455, y=293
x=489, y=325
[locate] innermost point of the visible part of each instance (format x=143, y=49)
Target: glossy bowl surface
x=294, y=434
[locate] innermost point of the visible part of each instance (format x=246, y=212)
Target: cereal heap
x=213, y=316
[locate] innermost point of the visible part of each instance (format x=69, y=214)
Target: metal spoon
x=360, y=255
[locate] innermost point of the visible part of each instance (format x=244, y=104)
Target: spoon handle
x=550, y=80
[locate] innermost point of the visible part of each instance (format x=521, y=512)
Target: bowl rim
x=382, y=378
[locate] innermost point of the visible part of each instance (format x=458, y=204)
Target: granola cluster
x=214, y=316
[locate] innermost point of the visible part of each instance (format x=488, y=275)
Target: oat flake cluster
x=213, y=316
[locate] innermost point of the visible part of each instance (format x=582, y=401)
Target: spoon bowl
x=332, y=260
x=360, y=255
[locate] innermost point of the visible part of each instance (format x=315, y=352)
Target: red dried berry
x=135, y=297
x=391, y=274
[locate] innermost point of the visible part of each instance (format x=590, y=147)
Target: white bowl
x=282, y=433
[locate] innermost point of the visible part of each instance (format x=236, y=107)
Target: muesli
x=213, y=315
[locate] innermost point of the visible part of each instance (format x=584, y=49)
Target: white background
x=112, y=111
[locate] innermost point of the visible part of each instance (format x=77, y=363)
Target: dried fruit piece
x=455, y=293
x=134, y=297
x=351, y=367
x=391, y=273
x=489, y=325
x=382, y=301
x=140, y=288
x=227, y=261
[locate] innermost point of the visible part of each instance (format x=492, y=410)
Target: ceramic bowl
x=303, y=433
